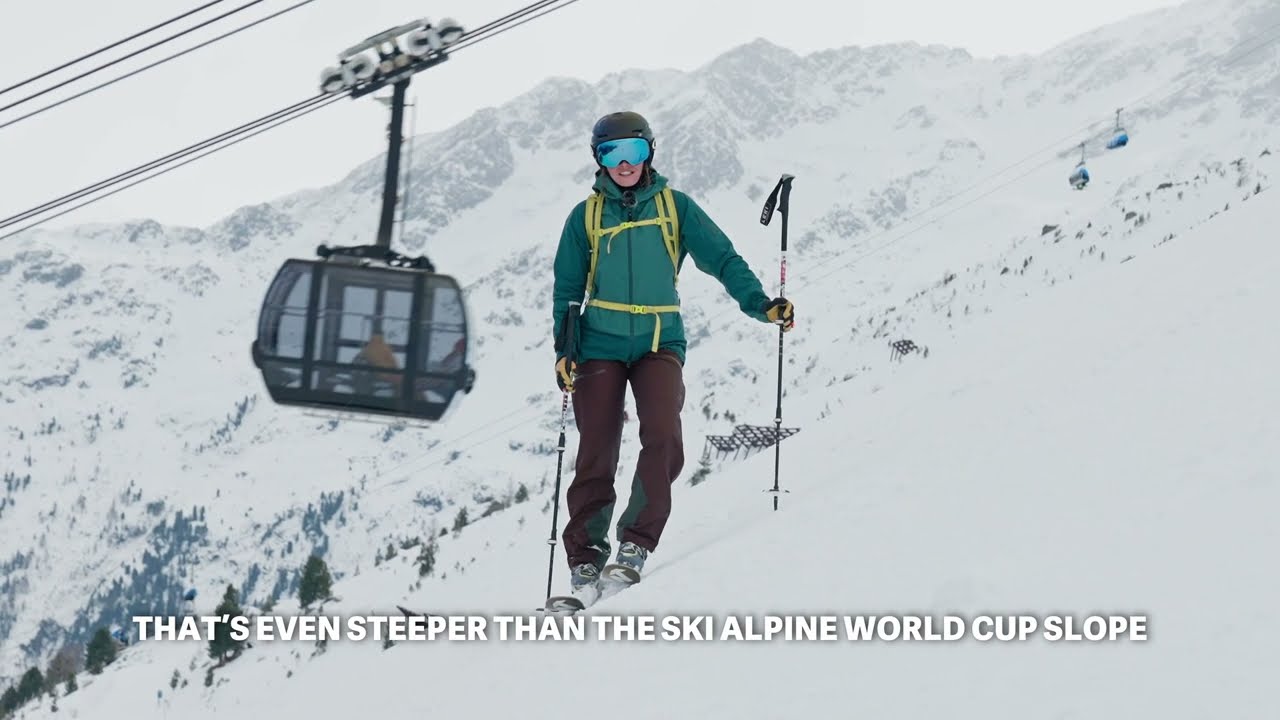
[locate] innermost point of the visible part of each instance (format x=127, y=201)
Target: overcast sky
x=278, y=63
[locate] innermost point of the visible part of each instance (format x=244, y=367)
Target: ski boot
x=584, y=590
x=585, y=584
x=626, y=569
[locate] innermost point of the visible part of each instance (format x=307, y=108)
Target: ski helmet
x=618, y=125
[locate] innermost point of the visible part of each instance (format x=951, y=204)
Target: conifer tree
x=30, y=686
x=427, y=558
x=101, y=651
x=9, y=701
x=222, y=643
x=316, y=583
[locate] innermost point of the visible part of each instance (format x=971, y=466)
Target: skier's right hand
x=564, y=374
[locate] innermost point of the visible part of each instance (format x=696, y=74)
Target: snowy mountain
x=1080, y=433
x=1100, y=447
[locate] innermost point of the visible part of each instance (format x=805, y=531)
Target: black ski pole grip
x=784, y=188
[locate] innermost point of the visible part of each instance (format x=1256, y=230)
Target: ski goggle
x=613, y=153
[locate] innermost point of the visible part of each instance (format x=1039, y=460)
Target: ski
x=610, y=584
x=564, y=603
x=622, y=574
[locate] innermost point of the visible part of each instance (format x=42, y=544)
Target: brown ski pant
x=657, y=385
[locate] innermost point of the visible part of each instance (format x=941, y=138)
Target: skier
x=624, y=247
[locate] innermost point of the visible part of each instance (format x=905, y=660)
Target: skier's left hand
x=780, y=311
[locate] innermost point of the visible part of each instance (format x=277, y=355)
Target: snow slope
x=1107, y=446
x=141, y=457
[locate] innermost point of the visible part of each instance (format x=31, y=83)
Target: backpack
x=670, y=223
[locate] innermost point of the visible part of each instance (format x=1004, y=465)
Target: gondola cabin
x=1119, y=140
x=1080, y=178
x=1119, y=137
x=356, y=337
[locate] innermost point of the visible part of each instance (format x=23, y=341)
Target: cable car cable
x=509, y=17
x=470, y=39
x=176, y=155
x=122, y=58
x=103, y=184
x=105, y=48
x=258, y=128
x=144, y=68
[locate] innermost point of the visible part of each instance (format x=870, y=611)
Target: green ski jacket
x=635, y=276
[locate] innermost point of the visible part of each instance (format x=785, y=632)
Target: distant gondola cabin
x=1080, y=178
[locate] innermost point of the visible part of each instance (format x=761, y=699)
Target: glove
x=564, y=375
x=780, y=311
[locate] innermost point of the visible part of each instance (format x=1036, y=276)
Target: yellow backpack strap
x=654, y=310
x=670, y=223
x=592, y=217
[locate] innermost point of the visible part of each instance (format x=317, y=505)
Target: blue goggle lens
x=613, y=153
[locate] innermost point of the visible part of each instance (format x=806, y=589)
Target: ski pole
x=570, y=353
x=781, y=197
